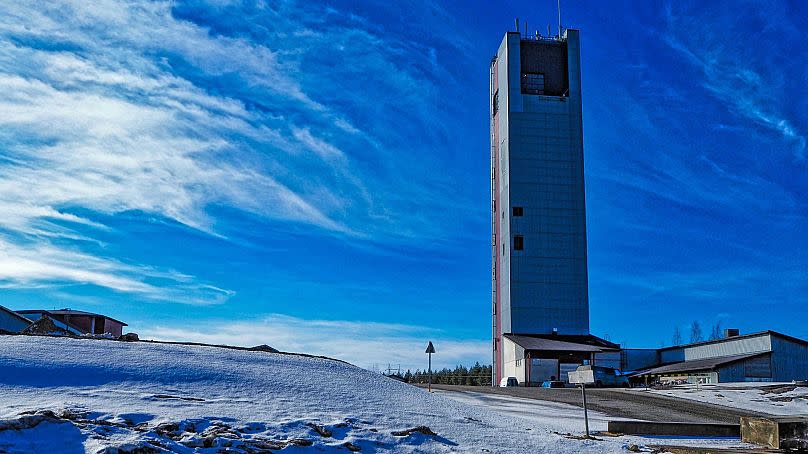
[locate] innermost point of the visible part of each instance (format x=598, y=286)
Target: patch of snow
x=565, y=418
x=107, y=396
x=771, y=398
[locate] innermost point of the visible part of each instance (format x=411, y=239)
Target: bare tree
x=715, y=333
x=677, y=336
x=695, y=332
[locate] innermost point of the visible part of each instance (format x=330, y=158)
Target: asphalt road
x=630, y=404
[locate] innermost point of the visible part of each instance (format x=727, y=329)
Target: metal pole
x=586, y=415
x=430, y=372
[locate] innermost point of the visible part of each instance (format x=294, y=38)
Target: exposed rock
x=268, y=444
x=169, y=396
x=209, y=441
x=420, y=429
x=27, y=422
x=44, y=326
x=351, y=447
x=300, y=442
x=167, y=428
x=320, y=430
x=130, y=449
x=129, y=337
x=264, y=348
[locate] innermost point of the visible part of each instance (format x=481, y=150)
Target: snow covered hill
x=83, y=395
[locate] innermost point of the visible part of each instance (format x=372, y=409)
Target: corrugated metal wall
x=729, y=347
x=789, y=360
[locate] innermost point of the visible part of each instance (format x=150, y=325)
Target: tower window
x=495, y=103
x=533, y=83
x=518, y=243
x=518, y=211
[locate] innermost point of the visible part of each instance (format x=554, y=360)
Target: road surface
x=619, y=403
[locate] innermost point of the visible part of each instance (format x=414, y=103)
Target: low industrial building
x=758, y=357
x=766, y=356
x=78, y=322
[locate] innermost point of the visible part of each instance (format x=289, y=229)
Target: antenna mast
x=559, y=18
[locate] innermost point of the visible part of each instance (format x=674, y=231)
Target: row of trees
x=477, y=375
x=696, y=334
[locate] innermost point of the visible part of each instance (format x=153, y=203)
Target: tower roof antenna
x=558, y=5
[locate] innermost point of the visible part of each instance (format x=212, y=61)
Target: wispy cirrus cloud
x=746, y=77
x=120, y=106
x=35, y=265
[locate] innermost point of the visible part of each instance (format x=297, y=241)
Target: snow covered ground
x=772, y=398
x=555, y=416
x=563, y=418
x=84, y=395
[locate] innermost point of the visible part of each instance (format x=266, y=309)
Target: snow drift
x=88, y=395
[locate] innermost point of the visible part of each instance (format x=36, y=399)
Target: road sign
x=582, y=377
x=430, y=349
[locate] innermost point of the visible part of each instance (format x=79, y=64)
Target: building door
x=543, y=369
x=98, y=327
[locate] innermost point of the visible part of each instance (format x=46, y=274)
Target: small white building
x=535, y=358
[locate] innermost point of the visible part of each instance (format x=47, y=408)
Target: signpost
x=583, y=377
x=430, y=349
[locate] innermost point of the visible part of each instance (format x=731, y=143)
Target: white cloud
x=744, y=82
x=111, y=129
x=115, y=106
x=37, y=265
x=360, y=343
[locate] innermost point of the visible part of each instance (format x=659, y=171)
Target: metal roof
x=14, y=314
x=69, y=312
x=562, y=343
x=740, y=336
x=699, y=364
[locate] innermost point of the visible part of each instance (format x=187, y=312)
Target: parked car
x=508, y=382
x=607, y=376
x=552, y=384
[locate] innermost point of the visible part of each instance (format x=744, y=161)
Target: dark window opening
x=495, y=103
x=533, y=83
x=518, y=243
x=518, y=211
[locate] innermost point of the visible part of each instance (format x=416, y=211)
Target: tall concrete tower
x=537, y=190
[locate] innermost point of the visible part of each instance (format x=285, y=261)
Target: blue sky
x=314, y=176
